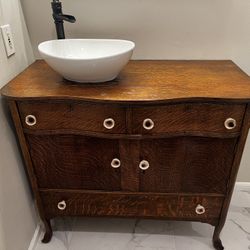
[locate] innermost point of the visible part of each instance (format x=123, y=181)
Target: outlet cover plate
x=8, y=39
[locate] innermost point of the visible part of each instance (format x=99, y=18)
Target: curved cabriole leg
x=48, y=231
x=216, y=239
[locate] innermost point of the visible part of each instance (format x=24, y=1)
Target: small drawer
x=184, y=118
x=204, y=208
x=73, y=116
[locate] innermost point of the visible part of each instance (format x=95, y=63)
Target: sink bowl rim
x=86, y=39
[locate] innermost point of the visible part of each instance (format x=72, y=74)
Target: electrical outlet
x=8, y=40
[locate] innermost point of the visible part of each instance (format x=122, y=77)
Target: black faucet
x=59, y=17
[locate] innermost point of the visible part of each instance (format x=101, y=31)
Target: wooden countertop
x=140, y=81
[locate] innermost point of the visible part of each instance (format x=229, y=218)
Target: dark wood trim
x=129, y=151
x=231, y=183
x=128, y=192
x=131, y=136
x=29, y=167
x=129, y=119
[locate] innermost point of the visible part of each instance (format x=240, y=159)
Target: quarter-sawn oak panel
x=187, y=164
x=75, y=162
x=132, y=205
x=73, y=116
x=195, y=117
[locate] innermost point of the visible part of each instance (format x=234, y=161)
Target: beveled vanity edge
x=128, y=103
x=145, y=81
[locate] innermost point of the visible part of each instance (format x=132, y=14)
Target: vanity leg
x=216, y=239
x=48, y=231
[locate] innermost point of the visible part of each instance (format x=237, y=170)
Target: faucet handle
x=56, y=7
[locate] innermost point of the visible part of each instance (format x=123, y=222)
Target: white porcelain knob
x=200, y=209
x=109, y=123
x=115, y=163
x=61, y=205
x=144, y=165
x=30, y=120
x=148, y=124
x=230, y=123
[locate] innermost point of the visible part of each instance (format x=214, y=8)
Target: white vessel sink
x=87, y=60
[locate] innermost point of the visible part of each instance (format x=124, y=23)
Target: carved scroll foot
x=48, y=231
x=216, y=239
x=218, y=244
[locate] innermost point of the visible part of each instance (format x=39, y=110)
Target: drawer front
x=196, y=207
x=183, y=118
x=73, y=116
x=75, y=162
x=186, y=164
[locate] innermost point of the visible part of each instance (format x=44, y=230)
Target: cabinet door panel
x=187, y=164
x=75, y=162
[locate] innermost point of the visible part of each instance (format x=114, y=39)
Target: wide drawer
x=188, y=207
x=73, y=116
x=184, y=118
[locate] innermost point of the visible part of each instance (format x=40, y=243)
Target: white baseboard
x=241, y=185
x=35, y=237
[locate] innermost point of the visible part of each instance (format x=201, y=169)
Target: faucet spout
x=63, y=17
x=59, y=18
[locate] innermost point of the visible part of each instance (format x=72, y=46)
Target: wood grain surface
x=129, y=153
x=70, y=161
x=169, y=118
x=153, y=205
x=187, y=165
x=182, y=164
x=140, y=81
x=193, y=159
x=232, y=179
x=195, y=117
x=73, y=116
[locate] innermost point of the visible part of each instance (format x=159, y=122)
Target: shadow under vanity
x=164, y=140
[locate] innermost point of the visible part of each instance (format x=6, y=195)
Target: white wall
x=161, y=29
x=17, y=214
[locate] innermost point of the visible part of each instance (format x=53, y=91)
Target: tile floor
x=131, y=234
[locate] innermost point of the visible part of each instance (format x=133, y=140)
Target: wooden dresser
x=164, y=140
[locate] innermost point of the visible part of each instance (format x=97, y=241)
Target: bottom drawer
x=205, y=208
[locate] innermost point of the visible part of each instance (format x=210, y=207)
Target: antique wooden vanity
x=162, y=141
